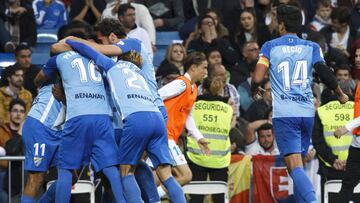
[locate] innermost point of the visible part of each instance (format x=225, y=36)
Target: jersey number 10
x=91, y=69
x=299, y=76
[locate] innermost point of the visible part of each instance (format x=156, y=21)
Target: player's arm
x=172, y=89
x=100, y=59
x=46, y=72
x=259, y=73
x=329, y=79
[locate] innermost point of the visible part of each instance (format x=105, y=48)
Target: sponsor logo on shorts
x=37, y=161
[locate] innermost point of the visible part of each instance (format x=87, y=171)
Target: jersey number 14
x=299, y=76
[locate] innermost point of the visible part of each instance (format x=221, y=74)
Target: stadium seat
x=334, y=186
x=166, y=38
x=81, y=187
x=6, y=59
x=159, y=56
x=46, y=36
x=206, y=188
x=40, y=58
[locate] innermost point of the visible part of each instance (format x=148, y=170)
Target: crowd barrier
x=256, y=179
x=11, y=159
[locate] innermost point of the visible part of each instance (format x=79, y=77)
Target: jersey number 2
x=299, y=76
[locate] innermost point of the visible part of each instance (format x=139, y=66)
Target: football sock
x=176, y=193
x=49, y=195
x=297, y=196
x=131, y=189
x=303, y=185
x=113, y=177
x=27, y=199
x=63, y=186
x=146, y=182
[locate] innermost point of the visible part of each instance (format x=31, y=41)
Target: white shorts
x=177, y=156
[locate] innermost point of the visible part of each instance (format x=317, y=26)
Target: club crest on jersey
x=37, y=161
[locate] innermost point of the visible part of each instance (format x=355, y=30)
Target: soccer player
x=88, y=133
x=41, y=137
x=179, y=97
x=289, y=61
x=135, y=101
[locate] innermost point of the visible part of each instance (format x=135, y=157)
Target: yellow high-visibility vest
x=334, y=115
x=213, y=119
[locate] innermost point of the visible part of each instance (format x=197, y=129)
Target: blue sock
x=146, y=181
x=303, y=185
x=131, y=189
x=63, y=186
x=49, y=195
x=113, y=176
x=175, y=191
x=27, y=199
x=297, y=196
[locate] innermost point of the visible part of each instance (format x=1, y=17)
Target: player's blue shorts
x=88, y=138
x=118, y=133
x=41, y=145
x=293, y=134
x=162, y=109
x=144, y=131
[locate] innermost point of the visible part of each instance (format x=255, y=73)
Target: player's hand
x=203, y=144
x=343, y=98
x=340, y=131
x=58, y=92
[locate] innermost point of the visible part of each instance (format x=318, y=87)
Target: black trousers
x=351, y=176
x=201, y=173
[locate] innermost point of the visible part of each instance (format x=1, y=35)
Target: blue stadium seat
x=40, y=58
x=166, y=38
x=159, y=56
x=42, y=48
x=6, y=59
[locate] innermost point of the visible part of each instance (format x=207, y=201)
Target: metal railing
x=11, y=159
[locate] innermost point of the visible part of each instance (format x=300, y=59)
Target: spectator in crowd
x=213, y=56
x=241, y=70
x=169, y=73
x=322, y=17
x=10, y=140
x=206, y=36
x=355, y=72
x=214, y=165
x=23, y=61
x=14, y=90
x=142, y=16
x=259, y=108
x=49, y=14
x=333, y=56
x=342, y=74
x=340, y=35
x=237, y=140
x=249, y=30
x=355, y=16
x=168, y=15
x=17, y=25
x=229, y=90
x=220, y=28
x=87, y=10
x=126, y=15
x=244, y=89
x=175, y=54
x=260, y=138
x=332, y=152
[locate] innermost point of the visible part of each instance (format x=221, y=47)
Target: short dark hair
x=21, y=47
x=123, y=8
x=343, y=67
x=290, y=16
x=17, y=101
x=76, y=28
x=342, y=14
x=324, y=3
x=194, y=58
x=110, y=25
x=11, y=70
x=265, y=126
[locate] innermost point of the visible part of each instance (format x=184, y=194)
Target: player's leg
x=131, y=188
x=104, y=145
x=32, y=187
x=351, y=176
x=158, y=150
x=289, y=135
x=180, y=169
x=145, y=178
